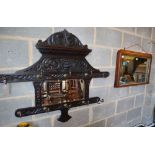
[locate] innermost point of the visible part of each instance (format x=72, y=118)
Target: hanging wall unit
x=61, y=77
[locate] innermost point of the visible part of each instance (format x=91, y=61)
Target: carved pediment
x=63, y=39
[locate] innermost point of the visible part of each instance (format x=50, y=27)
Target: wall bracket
x=61, y=77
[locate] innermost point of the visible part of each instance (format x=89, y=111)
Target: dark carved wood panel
x=63, y=58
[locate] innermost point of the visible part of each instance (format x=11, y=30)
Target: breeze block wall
x=122, y=107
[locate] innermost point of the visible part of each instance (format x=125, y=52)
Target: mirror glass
x=132, y=68
x=62, y=91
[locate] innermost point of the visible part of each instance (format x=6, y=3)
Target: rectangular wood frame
x=119, y=62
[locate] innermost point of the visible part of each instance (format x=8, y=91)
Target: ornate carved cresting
x=64, y=39
x=63, y=58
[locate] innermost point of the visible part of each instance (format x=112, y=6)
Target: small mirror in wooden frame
x=132, y=68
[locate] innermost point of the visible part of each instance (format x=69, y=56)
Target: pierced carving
x=63, y=65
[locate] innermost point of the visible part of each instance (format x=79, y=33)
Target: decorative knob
x=4, y=81
x=65, y=75
x=38, y=76
x=86, y=74
x=19, y=114
x=66, y=105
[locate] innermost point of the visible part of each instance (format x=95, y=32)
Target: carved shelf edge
x=65, y=44
x=4, y=78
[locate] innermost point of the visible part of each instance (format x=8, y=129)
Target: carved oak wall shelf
x=61, y=77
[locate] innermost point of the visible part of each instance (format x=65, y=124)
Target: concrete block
x=14, y=53
x=13, y=103
x=98, y=124
x=153, y=34
x=153, y=60
x=117, y=120
x=152, y=47
x=144, y=31
x=117, y=93
x=149, y=92
x=8, y=118
x=109, y=81
x=80, y=117
x=9, y=70
x=137, y=89
x=34, y=32
x=150, y=89
x=8, y=108
x=104, y=110
x=1, y=90
x=134, y=113
x=147, y=120
x=4, y=90
x=148, y=112
x=152, y=77
x=100, y=57
x=125, y=104
x=36, y=54
x=152, y=98
x=139, y=100
x=130, y=40
x=127, y=29
x=101, y=92
x=146, y=45
x=135, y=122
x=85, y=34
x=46, y=122
x=108, y=37
x=21, y=89
x=114, y=57
x=148, y=99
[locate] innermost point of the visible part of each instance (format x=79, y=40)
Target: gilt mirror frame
x=121, y=53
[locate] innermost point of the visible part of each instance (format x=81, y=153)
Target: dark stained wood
x=63, y=58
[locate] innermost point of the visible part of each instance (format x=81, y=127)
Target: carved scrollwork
x=49, y=65
x=61, y=65
x=63, y=38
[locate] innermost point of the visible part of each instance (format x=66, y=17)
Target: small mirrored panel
x=132, y=68
x=62, y=91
